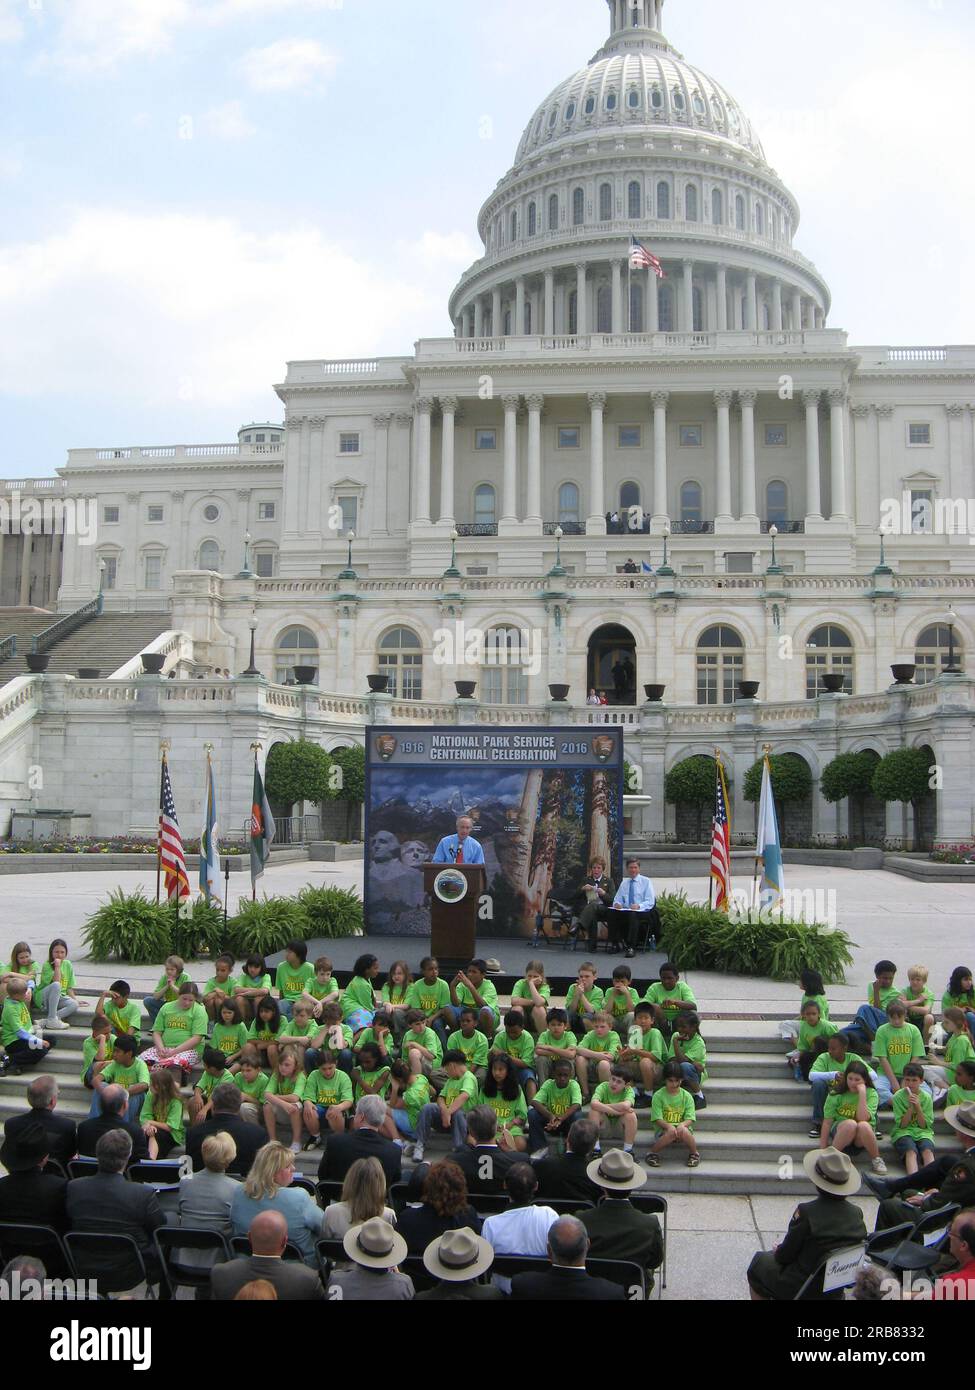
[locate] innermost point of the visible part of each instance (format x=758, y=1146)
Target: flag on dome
x=642, y=259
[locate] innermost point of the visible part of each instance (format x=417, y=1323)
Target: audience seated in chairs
x=206, y=1198
x=482, y=1160
x=291, y=1281
x=375, y=1250
x=458, y=1259
x=115, y=1105
x=61, y=1130
x=616, y=1229
x=29, y=1196
x=445, y=1207
x=225, y=1118
x=567, y=1280
x=363, y=1141
x=567, y=1175
x=107, y=1204
x=267, y=1187
x=523, y=1228
x=363, y=1197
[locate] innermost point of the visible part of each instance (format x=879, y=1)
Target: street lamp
x=558, y=570
x=665, y=567
x=102, y=567
x=949, y=619
x=774, y=567
x=452, y=572
x=349, y=572
x=246, y=572
x=252, y=668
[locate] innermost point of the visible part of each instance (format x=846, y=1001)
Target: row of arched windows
x=691, y=502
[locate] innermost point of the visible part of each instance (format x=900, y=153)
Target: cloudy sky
x=195, y=191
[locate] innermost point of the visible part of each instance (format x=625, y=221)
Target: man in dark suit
x=567, y=1174
x=294, y=1282
x=483, y=1163
x=106, y=1204
x=225, y=1119
x=29, y=1195
x=115, y=1104
x=567, y=1280
x=363, y=1141
x=616, y=1229
x=61, y=1130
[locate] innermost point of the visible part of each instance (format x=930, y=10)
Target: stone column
x=467, y=321
x=888, y=485
x=751, y=301
x=660, y=514
x=401, y=460
x=956, y=450
x=722, y=401
x=448, y=405
x=582, y=326
x=749, y=504
x=839, y=507
x=548, y=326
x=496, y=324
x=814, y=507
x=54, y=568
x=478, y=317
x=722, y=298
x=737, y=308
x=652, y=315
x=866, y=477
x=777, y=321
x=424, y=409
x=534, y=509
x=509, y=503
x=796, y=311
x=518, y=327
x=25, y=544
x=686, y=324
x=618, y=324
x=596, y=525
x=380, y=525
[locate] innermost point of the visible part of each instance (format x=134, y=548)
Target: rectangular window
x=265, y=511
x=922, y=511
x=691, y=436
x=477, y=571
x=485, y=439
x=918, y=436
x=154, y=514
x=776, y=436
x=153, y=572
x=111, y=515
x=110, y=572
x=629, y=436
x=742, y=563
x=349, y=443
x=350, y=512
x=265, y=564
x=570, y=437
x=692, y=569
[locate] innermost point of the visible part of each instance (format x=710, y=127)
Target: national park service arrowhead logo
x=385, y=746
x=603, y=747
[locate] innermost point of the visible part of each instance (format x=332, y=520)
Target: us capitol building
x=600, y=479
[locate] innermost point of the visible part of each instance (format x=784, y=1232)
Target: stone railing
x=620, y=344
x=883, y=356
x=34, y=485
x=176, y=645
x=81, y=458
x=372, y=368
x=18, y=695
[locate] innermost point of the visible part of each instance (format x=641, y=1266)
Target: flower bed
x=125, y=845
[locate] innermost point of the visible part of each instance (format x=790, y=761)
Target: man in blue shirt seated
x=635, y=897
x=461, y=848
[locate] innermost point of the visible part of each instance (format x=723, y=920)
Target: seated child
x=328, y=1097
x=96, y=1050
x=420, y=1049
x=379, y=1032
x=252, y=1083
x=21, y=1044
x=371, y=1076
x=596, y=1053
x=167, y=990
x=612, y=1109
x=500, y=1090
x=220, y=986
x=336, y=1035
x=814, y=992
x=554, y=1044
x=393, y=996
x=179, y=1030
x=409, y=1092
x=832, y=1058
x=284, y=1096
x=23, y=968
x=850, y=1115
x=673, y=1114
x=214, y=1074
x=555, y=1107
x=251, y=986
x=122, y=1011
x=292, y=977
x=687, y=1047
x=447, y=1114
x=517, y=1042
x=671, y=997
x=645, y=1052
x=960, y=994
x=472, y=1042
x=127, y=1070
x=431, y=996
x=963, y=1091
x=895, y=1043
x=267, y=1032
x=229, y=1034
x=323, y=989
x=533, y=994
x=873, y=1014
x=919, y=1000
x=620, y=1000
x=913, y=1131
x=584, y=1000
x=471, y=988
x=56, y=987
x=359, y=996
x=161, y=1116
x=811, y=1026
x=304, y=1032
x=958, y=1049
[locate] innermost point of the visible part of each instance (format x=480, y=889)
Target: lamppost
x=558, y=569
x=949, y=619
x=665, y=567
x=102, y=567
x=246, y=572
x=774, y=567
x=349, y=572
x=452, y=572
x=252, y=668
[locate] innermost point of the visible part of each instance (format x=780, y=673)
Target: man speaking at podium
x=461, y=848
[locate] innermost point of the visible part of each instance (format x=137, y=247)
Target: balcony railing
x=785, y=528
x=480, y=528
x=569, y=528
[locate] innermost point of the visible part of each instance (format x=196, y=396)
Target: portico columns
x=478, y=317
x=518, y=327
x=617, y=297
x=581, y=323
x=534, y=498
x=596, y=525
x=379, y=521
x=686, y=324
x=814, y=507
x=496, y=324
x=424, y=409
x=722, y=295
x=448, y=404
x=467, y=321
x=749, y=508
x=660, y=517
x=777, y=305
x=837, y=467
x=796, y=311
x=509, y=500
x=751, y=301
x=722, y=401
x=549, y=325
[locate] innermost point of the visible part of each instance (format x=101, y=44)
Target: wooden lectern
x=453, y=925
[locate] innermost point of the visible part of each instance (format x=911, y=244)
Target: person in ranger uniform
x=817, y=1228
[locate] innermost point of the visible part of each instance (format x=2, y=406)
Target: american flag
x=171, y=842
x=642, y=259
x=721, y=842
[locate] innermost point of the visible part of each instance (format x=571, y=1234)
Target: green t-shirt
x=394, y=994
x=317, y=990
x=226, y=986
x=807, y=1035
x=474, y=1048
x=427, y=1039
x=89, y=1049
x=228, y=1038
x=694, y=1050
x=957, y=1095
x=521, y=1048
x=286, y=1085
x=173, y=1116
x=665, y=999
x=15, y=1015
x=901, y=1104
x=619, y=1005
x=428, y=998
x=124, y=1018
x=898, y=1045
x=670, y=1109
x=259, y=1031
x=329, y=1030
x=370, y=1078
x=605, y=1096
x=415, y=1097
x=207, y=1083
x=172, y=990
x=651, y=1041
x=958, y=1001
x=29, y=972
x=178, y=1025
x=819, y=999
x=305, y=1030
x=290, y=983
x=887, y=996
x=67, y=975
x=594, y=1043
x=253, y=1090
x=567, y=1042
x=465, y=1085
x=559, y=1100
x=358, y=994
x=328, y=1090
x=959, y=1049
x=824, y=1062
x=246, y=981
x=368, y=1035
x=594, y=997
x=506, y=1110
x=927, y=999
x=844, y=1106
x=521, y=990
x=117, y=1075
x=488, y=993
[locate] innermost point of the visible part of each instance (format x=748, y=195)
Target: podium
x=453, y=911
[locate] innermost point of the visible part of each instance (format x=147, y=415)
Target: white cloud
x=228, y=122
x=287, y=65
x=11, y=28
x=434, y=249
x=130, y=310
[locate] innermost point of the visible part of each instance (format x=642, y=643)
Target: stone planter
x=378, y=685
x=89, y=673
x=152, y=663
x=38, y=661
x=748, y=690
x=305, y=675
x=903, y=674
x=558, y=693
x=833, y=681
x=654, y=693
x=465, y=689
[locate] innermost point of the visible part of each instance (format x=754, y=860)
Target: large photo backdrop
x=543, y=805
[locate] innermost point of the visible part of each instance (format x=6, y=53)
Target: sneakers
x=814, y=1132
x=296, y=1147
x=54, y=1023
x=418, y=1152
x=878, y=1165
x=643, y=1101
x=653, y=1160
x=878, y=1186
x=315, y=1142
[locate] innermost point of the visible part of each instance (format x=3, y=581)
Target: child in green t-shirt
x=328, y=1097
x=323, y=988
x=957, y=1049
x=873, y=1014
x=122, y=1011
x=919, y=1000
x=518, y=1043
x=214, y=1074
x=447, y=1114
x=471, y=988
x=21, y=1046
x=220, y=986
x=252, y=1082
x=252, y=985
x=55, y=990
x=229, y=1034
x=431, y=996
x=963, y=1091
x=813, y=991
x=124, y=1069
x=645, y=1052
x=167, y=990
x=584, y=999
x=812, y=1025
x=23, y=969
x=671, y=997
x=305, y=1033
x=162, y=1114
x=359, y=996
x=97, y=1049
x=688, y=1048
x=267, y=1032
x=620, y=1001
x=895, y=1043
x=673, y=1114
x=913, y=1131
x=371, y=1076
x=850, y=1115
x=555, y=1107
x=554, y=1044
x=393, y=995
x=381, y=1033
x=471, y=1041
x=409, y=1092
x=501, y=1092
x=596, y=1053
x=420, y=1048
x=284, y=1096
x=338, y=1039
x=613, y=1110
x=533, y=993
x=292, y=976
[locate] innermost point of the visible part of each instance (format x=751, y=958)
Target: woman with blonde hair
x=205, y=1198
x=363, y=1197
x=267, y=1188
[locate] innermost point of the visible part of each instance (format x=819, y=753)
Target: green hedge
x=697, y=938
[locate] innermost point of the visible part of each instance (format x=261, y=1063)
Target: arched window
x=611, y=101
x=210, y=556
x=634, y=200
x=740, y=212
x=504, y=680
x=665, y=307
x=570, y=111
x=629, y=496
x=829, y=649
x=401, y=659
x=777, y=503
x=678, y=98
x=605, y=202
x=717, y=207
x=637, y=324
x=553, y=212
x=633, y=100
x=700, y=108
x=663, y=200
x=690, y=203
x=691, y=504
x=657, y=99
x=590, y=105
x=295, y=647
x=514, y=226
x=720, y=665
x=568, y=505
x=604, y=309
x=578, y=207
x=532, y=219
x=932, y=652
x=485, y=505
x=759, y=219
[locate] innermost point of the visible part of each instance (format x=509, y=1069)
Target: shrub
x=331, y=912
x=128, y=927
x=848, y=775
x=698, y=938
x=266, y=926
x=197, y=930
x=903, y=775
x=791, y=779
x=297, y=772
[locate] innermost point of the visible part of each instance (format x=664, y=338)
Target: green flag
x=262, y=827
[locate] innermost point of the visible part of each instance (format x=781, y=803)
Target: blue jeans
x=132, y=1113
x=153, y=1005
x=429, y=1118
x=455, y=1012
x=401, y=1120
x=284, y=1007
x=867, y=1021
x=440, y=1028
x=971, y=1021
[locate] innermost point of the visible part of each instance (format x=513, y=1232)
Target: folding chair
x=422, y=1278
x=171, y=1240
x=41, y=1242
x=163, y=1174
x=110, y=1259
x=82, y=1167
x=923, y=1247
x=305, y=1184
x=654, y=1205
x=624, y=1272
x=328, y=1253
x=330, y=1190
x=489, y=1203
x=565, y=1206
x=240, y=1245
x=838, y=1271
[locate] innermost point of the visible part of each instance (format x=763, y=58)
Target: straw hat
x=832, y=1171
x=374, y=1244
x=962, y=1118
x=458, y=1255
x=616, y=1171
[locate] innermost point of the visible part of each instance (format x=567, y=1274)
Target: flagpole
x=162, y=765
x=256, y=747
